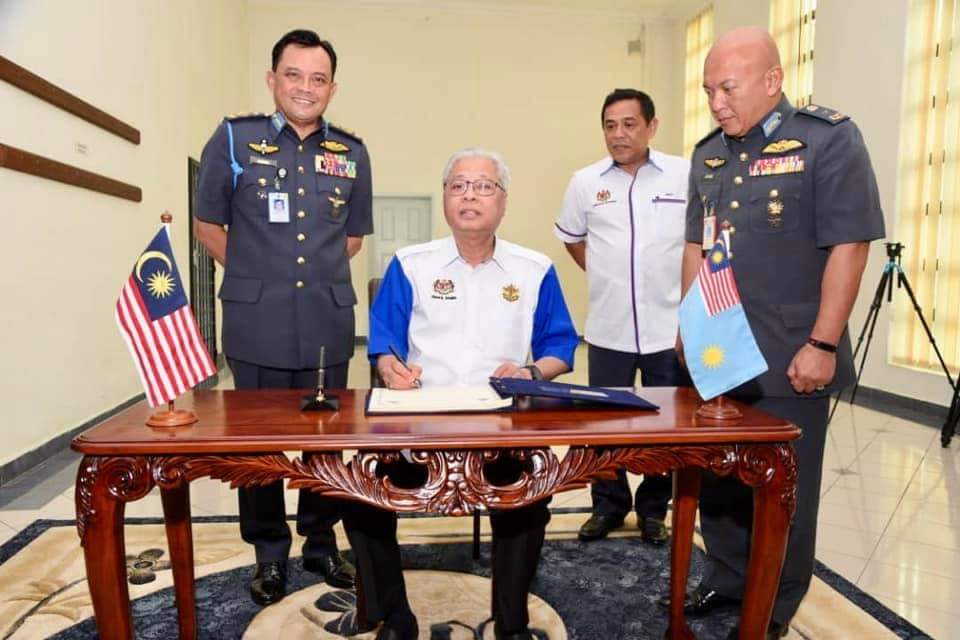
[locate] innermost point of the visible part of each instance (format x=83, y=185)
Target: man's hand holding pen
x=396, y=374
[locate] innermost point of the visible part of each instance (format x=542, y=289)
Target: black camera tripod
x=894, y=250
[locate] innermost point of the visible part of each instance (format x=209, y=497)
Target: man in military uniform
x=794, y=194
x=294, y=193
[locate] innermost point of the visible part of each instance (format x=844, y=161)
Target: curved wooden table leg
x=103, y=486
x=686, y=493
x=773, y=504
x=176, y=516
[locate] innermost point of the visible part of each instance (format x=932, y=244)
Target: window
x=696, y=112
x=928, y=221
x=791, y=23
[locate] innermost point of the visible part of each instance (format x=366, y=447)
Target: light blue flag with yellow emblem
x=718, y=344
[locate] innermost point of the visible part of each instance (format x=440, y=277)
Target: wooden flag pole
x=171, y=416
x=717, y=409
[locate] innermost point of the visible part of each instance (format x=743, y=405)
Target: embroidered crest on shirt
x=511, y=293
x=443, y=289
x=603, y=196
x=776, y=166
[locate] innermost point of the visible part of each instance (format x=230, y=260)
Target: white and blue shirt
x=459, y=322
x=634, y=229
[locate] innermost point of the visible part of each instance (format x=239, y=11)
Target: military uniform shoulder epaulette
x=823, y=113
x=707, y=137
x=345, y=132
x=234, y=117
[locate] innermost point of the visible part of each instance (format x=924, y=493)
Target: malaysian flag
x=720, y=349
x=716, y=281
x=156, y=323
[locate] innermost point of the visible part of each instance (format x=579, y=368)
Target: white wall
x=168, y=68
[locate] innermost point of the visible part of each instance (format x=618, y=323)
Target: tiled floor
x=888, y=516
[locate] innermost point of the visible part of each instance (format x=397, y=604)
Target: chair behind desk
x=373, y=286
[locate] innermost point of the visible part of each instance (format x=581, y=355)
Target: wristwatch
x=823, y=346
x=535, y=372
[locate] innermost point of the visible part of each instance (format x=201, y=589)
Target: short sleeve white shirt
x=634, y=229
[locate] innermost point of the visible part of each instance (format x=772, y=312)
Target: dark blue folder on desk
x=602, y=395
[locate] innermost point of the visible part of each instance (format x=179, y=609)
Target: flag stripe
x=144, y=333
x=158, y=342
x=198, y=346
x=178, y=321
x=134, y=352
x=144, y=358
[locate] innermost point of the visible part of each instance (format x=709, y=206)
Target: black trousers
x=263, y=514
x=518, y=536
x=609, y=368
x=726, y=512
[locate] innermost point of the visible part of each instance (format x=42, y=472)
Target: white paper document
x=437, y=400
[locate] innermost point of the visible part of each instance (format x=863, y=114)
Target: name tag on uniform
x=278, y=207
x=709, y=232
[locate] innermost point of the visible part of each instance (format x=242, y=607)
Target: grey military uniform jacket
x=797, y=184
x=286, y=288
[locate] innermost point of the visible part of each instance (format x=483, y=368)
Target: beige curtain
x=929, y=188
x=696, y=112
x=792, y=27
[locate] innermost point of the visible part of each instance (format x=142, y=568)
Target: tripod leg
x=902, y=280
x=863, y=359
x=950, y=424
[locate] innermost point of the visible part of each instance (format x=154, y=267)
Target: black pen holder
x=319, y=402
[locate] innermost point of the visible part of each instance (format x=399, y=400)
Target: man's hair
x=617, y=95
x=308, y=39
x=503, y=171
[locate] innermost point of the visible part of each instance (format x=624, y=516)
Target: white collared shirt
x=459, y=322
x=634, y=229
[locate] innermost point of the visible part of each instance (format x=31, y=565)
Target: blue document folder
x=602, y=395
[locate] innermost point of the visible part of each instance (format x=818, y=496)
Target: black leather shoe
x=336, y=571
x=269, y=583
x=702, y=601
x=653, y=531
x=598, y=526
x=523, y=635
x=775, y=631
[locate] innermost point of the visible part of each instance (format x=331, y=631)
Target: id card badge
x=709, y=231
x=278, y=207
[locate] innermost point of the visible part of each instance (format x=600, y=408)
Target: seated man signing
x=459, y=310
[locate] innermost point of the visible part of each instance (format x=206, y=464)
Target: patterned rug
x=605, y=589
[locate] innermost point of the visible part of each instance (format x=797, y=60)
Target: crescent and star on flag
x=160, y=283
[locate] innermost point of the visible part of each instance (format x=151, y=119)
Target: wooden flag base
x=717, y=409
x=171, y=418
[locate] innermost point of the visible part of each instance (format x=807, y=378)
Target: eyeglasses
x=484, y=188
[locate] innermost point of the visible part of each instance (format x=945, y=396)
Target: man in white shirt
x=622, y=220
x=459, y=310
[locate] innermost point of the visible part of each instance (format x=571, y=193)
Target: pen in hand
x=416, y=383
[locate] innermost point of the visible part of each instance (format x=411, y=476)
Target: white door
x=397, y=222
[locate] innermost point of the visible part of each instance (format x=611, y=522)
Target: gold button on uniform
x=300, y=170
x=301, y=191
x=301, y=214
x=301, y=237
x=300, y=148
x=744, y=156
x=738, y=180
x=774, y=193
x=300, y=260
x=262, y=182
x=299, y=284
x=735, y=204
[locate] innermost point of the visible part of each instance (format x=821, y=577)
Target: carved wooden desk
x=241, y=436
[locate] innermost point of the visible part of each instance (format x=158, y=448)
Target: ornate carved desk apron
x=241, y=436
